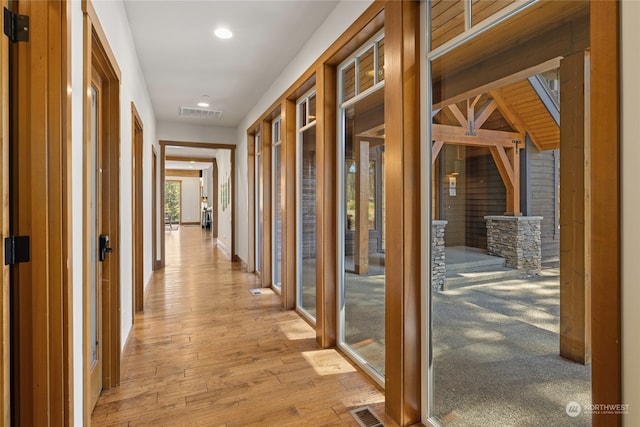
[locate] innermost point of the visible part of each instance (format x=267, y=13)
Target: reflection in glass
x=277, y=206
x=94, y=286
x=307, y=218
x=349, y=82
x=258, y=205
x=495, y=317
x=367, y=70
x=363, y=282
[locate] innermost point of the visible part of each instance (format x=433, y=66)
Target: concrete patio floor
x=495, y=351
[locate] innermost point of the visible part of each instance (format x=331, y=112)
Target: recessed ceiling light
x=223, y=33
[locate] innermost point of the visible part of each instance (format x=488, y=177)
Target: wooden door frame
x=5, y=314
x=41, y=208
x=214, y=189
x=154, y=209
x=137, y=205
x=207, y=145
x=98, y=55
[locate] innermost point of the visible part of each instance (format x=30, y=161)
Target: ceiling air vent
x=200, y=113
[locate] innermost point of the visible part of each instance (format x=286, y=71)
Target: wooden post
x=361, y=244
x=575, y=218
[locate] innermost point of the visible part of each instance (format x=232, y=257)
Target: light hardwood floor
x=206, y=352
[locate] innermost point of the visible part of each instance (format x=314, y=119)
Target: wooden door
x=96, y=245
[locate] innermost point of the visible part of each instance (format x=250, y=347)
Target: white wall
x=630, y=208
x=345, y=13
x=133, y=88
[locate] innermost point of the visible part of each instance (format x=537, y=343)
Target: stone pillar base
x=517, y=239
x=438, y=268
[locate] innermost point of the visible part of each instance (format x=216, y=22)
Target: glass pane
x=307, y=294
x=349, y=82
x=373, y=195
x=302, y=114
x=277, y=215
x=94, y=286
x=367, y=70
x=258, y=185
x=381, y=60
x=350, y=192
x=496, y=299
x=447, y=21
x=312, y=108
x=482, y=9
x=172, y=197
x=362, y=313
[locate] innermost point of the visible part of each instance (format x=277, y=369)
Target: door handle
x=104, y=246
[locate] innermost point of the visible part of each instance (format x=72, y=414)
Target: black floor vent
x=366, y=418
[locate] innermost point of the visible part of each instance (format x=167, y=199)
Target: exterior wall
x=541, y=198
x=479, y=192
x=630, y=207
x=485, y=195
x=309, y=201
x=453, y=208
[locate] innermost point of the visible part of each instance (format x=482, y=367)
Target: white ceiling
x=182, y=59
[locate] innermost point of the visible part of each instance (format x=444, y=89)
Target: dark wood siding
x=486, y=195
x=542, y=197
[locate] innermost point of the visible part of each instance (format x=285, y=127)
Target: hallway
x=206, y=352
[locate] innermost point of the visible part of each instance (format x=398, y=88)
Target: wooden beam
x=517, y=76
x=435, y=150
x=485, y=112
x=326, y=207
x=507, y=112
x=514, y=63
x=504, y=165
x=575, y=218
x=403, y=333
x=482, y=137
x=458, y=115
x=361, y=240
x=509, y=170
x=289, y=256
x=605, y=232
x=188, y=159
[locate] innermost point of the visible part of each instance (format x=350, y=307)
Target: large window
x=361, y=324
x=276, y=253
x=258, y=203
x=306, y=203
x=506, y=339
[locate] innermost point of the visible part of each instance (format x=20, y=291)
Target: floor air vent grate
x=366, y=418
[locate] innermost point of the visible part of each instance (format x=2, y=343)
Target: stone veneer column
x=517, y=239
x=438, y=268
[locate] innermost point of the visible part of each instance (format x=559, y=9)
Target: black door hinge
x=16, y=27
x=16, y=249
